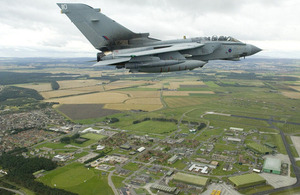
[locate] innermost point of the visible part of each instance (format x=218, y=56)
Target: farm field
x=124, y=84
x=138, y=108
x=85, y=111
x=123, y=107
x=174, y=102
x=291, y=94
x=71, y=92
x=79, y=180
x=95, y=98
x=295, y=87
x=40, y=87
x=71, y=84
x=185, y=93
x=142, y=94
x=178, y=84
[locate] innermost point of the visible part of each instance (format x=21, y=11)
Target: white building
x=141, y=149
x=236, y=129
x=59, y=158
x=99, y=147
x=199, y=168
x=233, y=139
x=91, y=130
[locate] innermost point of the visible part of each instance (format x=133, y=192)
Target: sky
x=31, y=28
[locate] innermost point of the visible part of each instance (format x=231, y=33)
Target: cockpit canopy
x=218, y=38
x=222, y=38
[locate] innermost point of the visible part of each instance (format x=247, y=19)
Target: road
x=293, y=164
x=12, y=190
x=111, y=184
x=263, y=119
x=287, y=147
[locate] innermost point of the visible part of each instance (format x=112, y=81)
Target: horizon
x=270, y=25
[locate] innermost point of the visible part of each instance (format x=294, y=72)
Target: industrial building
x=236, y=129
x=270, y=145
x=272, y=165
x=173, y=159
x=234, y=139
x=197, y=168
x=170, y=190
x=125, y=147
x=258, y=148
x=141, y=149
x=191, y=179
x=247, y=180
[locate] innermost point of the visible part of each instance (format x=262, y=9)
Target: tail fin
x=101, y=31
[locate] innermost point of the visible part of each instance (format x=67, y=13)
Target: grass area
x=131, y=166
x=179, y=164
x=288, y=192
x=118, y=181
x=256, y=189
x=79, y=155
x=79, y=180
x=89, y=121
x=219, y=170
x=292, y=147
x=156, y=127
x=292, y=174
x=93, y=136
x=237, y=120
x=84, y=144
x=52, y=145
x=141, y=191
x=221, y=147
x=138, y=89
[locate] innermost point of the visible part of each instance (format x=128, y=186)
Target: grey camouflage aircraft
x=138, y=52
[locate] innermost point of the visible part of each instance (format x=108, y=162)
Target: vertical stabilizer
x=101, y=31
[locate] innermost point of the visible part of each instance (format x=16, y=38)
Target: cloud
x=40, y=26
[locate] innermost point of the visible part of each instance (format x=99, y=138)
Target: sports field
x=78, y=179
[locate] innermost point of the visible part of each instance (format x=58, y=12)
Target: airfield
x=168, y=108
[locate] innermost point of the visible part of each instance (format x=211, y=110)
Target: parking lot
x=225, y=189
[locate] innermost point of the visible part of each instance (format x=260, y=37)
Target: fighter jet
x=138, y=52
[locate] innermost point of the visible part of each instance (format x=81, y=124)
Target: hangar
x=191, y=179
x=272, y=165
x=247, y=180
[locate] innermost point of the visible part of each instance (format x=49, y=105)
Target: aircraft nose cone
x=255, y=49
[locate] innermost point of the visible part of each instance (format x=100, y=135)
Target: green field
x=53, y=145
x=77, y=179
x=131, y=166
x=93, y=136
x=156, y=127
x=118, y=181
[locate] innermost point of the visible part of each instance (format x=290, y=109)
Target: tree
x=54, y=85
x=65, y=140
